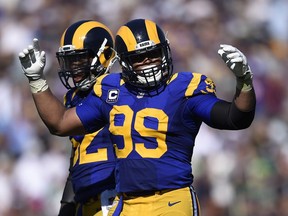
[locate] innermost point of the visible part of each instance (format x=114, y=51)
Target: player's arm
x=217, y=113
x=236, y=61
x=59, y=120
x=240, y=112
x=226, y=115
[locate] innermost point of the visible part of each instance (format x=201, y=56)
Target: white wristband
x=39, y=85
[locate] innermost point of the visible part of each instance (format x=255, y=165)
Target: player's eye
x=137, y=58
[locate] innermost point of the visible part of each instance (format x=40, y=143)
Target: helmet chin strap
x=86, y=84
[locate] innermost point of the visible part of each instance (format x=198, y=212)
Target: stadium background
x=240, y=173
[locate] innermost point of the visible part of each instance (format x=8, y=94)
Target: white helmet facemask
x=152, y=74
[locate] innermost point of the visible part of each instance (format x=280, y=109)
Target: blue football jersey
x=153, y=134
x=93, y=168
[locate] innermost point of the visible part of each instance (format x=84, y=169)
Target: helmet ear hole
x=108, y=53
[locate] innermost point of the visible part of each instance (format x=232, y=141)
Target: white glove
x=33, y=62
x=237, y=62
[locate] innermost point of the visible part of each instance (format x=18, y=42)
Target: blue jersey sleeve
x=90, y=113
x=200, y=104
x=200, y=107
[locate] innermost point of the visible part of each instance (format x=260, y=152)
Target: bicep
x=72, y=124
x=218, y=113
x=59, y=120
x=200, y=106
x=69, y=124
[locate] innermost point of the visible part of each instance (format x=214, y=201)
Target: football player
x=153, y=114
x=86, y=52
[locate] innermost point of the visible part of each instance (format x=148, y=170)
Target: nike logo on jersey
x=173, y=203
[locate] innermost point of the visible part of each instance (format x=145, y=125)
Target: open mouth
x=148, y=71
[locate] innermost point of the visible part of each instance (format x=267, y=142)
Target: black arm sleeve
x=225, y=115
x=68, y=193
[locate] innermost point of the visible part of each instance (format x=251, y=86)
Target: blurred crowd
x=243, y=173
